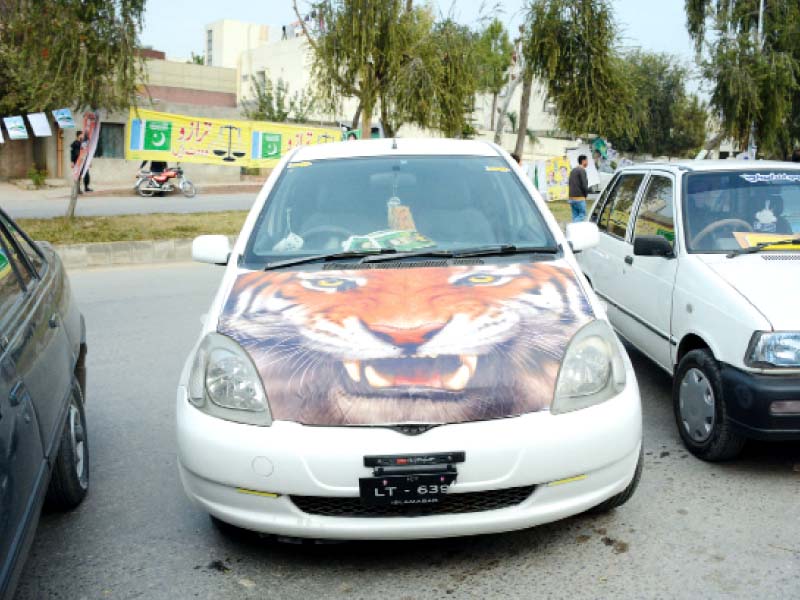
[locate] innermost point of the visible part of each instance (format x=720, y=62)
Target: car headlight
x=774, y=349
x=592, y=370
x=224, y=383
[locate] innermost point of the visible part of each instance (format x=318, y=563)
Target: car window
x=12, y=253
x=34, y=257
x=728, y=210
x=399, y=202
x=600, y=208
x=620, y=201
x=655, y=216
x=10, y=289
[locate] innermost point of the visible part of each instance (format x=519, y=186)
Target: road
x=88, y=205
x=693, y=530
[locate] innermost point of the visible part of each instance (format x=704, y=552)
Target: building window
x=209, y=47
x=112, y=141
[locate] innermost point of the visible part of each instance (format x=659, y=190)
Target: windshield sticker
x=402, y=241
x=415, y=345
x=298, y=165
x=764, y=177
x=497, y=169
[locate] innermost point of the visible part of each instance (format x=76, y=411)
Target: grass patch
x=128, y=228
x=561, y=210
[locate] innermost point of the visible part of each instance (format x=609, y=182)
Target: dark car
x=44, y=455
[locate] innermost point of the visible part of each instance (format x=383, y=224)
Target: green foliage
x=670, y=122
x=300, y=106
x=755, y=83
x=37, y=176
x=493, y=57
x=397, y=59
x=197, y=59
x=269, y=103
x=512, y=118
x=570, y=45
x=69, y=52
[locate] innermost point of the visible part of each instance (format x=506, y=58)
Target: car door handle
x=53, y=322
x=629, y=260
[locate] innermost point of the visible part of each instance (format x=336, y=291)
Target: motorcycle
x=149, y=183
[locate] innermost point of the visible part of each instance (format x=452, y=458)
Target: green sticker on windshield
x=666, y=233
x=402, y=241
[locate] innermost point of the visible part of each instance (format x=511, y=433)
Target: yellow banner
x=557, y=170
x=748, y=240
x=179, y=138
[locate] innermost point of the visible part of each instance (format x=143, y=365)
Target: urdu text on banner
x=180, y=138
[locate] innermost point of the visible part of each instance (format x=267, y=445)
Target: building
x=174, y=87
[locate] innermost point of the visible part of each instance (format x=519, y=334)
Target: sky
x=177, y=27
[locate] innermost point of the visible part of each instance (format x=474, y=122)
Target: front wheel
x=70, y=481
x=188, y=189
x=143, y=189
x=700, y=410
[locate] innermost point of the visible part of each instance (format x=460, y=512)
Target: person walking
x=579, y=189
x=74, y=154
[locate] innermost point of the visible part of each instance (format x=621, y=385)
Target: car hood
x=390, y=344
x=769, y=281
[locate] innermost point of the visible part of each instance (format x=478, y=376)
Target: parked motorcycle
x=149, y=183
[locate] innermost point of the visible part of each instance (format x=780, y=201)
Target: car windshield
x=729, y=210
x=398, y=204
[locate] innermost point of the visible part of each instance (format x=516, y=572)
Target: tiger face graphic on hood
x=407, y=345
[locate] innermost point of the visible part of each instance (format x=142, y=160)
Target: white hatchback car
x=698, y=262
x=402, y=346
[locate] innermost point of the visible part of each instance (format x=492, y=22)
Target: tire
x=188, y=189
x=700, y=410
x=70, y=481
x=624, y=495
x=144, y=190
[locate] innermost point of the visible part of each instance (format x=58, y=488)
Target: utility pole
x=751, y=147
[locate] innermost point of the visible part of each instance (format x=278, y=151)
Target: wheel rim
x=697, y=405
x=77, y=437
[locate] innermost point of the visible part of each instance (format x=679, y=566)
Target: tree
x=196, y=59
x=571, y=47
x=493, y=57
x=269, y=103
x=81, y=53
x=756, y=82
x=670, y=121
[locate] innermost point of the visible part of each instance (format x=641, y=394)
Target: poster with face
x=414, y=345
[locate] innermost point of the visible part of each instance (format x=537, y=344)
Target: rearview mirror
x=582, y=235
x=652, y=245
x=211, y=249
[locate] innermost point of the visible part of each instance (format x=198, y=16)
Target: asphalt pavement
x=30, y=206
x=693, y=530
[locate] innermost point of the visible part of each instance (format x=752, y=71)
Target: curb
x=117, y=254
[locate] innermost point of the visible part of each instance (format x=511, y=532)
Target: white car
x=402, y=346
x=698, y=262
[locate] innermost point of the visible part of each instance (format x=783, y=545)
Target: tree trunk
x=366, y=119
x=73, y=198
x=494, y=111
x=357, y=116
x=498, y=130
x=524, y=106
x=409, y=5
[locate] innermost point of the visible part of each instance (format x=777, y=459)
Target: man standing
x=74, y=153
x=579, y=189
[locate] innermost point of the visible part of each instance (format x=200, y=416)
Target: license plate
x=405, y=490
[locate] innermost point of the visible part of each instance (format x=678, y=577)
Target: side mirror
x=652, y=245
x=211, y=249
x=582, y=235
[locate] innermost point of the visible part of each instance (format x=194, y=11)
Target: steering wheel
x=329, y=229
x=712, y=227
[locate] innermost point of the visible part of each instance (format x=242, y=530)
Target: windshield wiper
x=761, y=245
x=301, y=260
x=500, y=250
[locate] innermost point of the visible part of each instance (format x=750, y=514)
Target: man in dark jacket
x=74, y=153
x=579, y=189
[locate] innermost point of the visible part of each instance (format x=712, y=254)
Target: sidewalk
x=11, y=191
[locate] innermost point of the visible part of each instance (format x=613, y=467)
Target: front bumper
x=222, y=463
x=748, y=397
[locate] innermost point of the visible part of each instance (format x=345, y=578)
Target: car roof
x=716, y=165
x=397, y=147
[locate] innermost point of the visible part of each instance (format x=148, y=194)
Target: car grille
x=453, y=504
